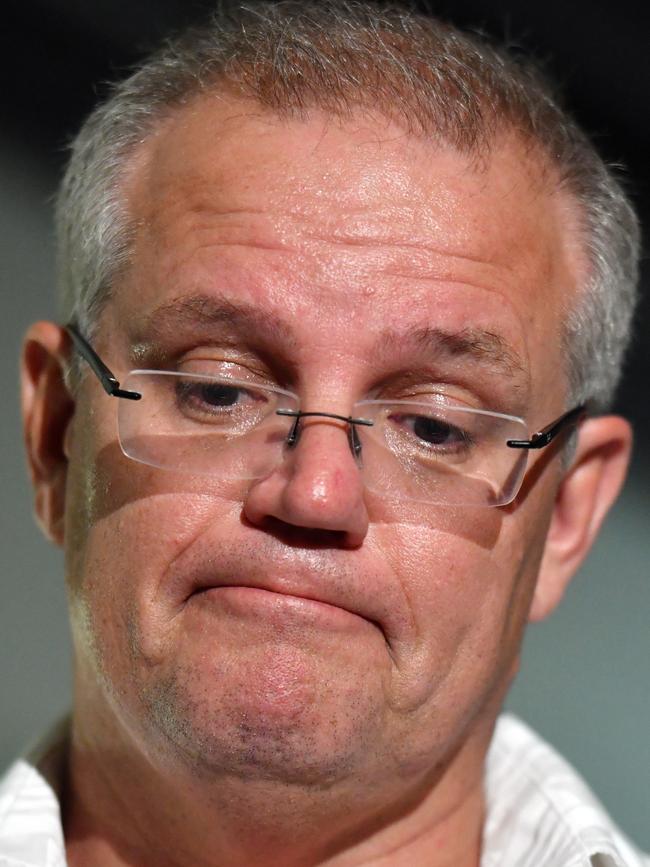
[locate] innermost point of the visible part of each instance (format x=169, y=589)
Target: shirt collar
x=31, y=832
x=540, y=812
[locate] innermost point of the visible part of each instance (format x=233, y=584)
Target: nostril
x=295, y=536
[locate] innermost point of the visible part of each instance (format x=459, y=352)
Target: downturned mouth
x=252, y=599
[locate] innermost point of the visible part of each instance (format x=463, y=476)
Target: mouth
x=278, y=606
x=332, y=593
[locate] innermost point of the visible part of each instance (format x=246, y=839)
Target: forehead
x=355, y=218
x=356, y=179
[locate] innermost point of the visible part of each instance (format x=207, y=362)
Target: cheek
x=125, y=525
x=455, y=559
x=123, y=516
x=468, y=603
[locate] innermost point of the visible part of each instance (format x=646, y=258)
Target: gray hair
x=293, y=56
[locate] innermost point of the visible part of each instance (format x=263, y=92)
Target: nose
x=318, y=486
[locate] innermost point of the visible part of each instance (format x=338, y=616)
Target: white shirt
x=540, y=813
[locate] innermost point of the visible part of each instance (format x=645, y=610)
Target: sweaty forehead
x=361, y=179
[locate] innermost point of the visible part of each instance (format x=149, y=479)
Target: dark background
x=585, y=681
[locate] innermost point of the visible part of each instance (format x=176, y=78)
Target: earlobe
x=47, y=409
x=587, y=491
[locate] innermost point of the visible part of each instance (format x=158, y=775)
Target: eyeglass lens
x=427, y=451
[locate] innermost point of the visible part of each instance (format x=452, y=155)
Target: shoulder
x=31, y=834
x=540, y=810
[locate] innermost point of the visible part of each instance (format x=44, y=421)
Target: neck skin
x=122, y=810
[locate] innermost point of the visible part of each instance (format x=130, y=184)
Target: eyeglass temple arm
x=545, y=436
x=109, y=383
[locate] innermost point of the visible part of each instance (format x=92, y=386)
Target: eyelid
x=455, y=388
x=432, y=395
x=237, y=362
x=223, y=367
x=268, y=362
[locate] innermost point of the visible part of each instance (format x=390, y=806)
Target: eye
x=433, y=431
x=430, y=436
x=211, y=401
x=213, y=394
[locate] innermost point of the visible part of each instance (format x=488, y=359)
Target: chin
x=263, y=725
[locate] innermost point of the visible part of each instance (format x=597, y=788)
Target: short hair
x=448, y=86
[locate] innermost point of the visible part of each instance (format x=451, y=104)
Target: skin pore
x=294, y=670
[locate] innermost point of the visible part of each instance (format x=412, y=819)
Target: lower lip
x=254, y=602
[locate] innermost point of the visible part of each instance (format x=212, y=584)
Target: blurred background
x=585, y=679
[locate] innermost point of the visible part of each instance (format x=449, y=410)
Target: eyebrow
x=477, y=345
x=211, y=311
x=486, y=349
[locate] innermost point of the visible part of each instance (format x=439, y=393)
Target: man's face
x=345, y=635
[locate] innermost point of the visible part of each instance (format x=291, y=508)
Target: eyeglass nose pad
x=355, y=442
x=294, y=433
x=353, y=438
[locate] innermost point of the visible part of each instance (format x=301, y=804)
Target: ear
x=587, y=491
x=47, y=408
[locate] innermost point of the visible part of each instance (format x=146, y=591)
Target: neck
x=121, y=810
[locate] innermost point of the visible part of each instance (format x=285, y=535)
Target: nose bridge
x=309, y=417
x=321, y=448
x=318, y=485
x=324, y=486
